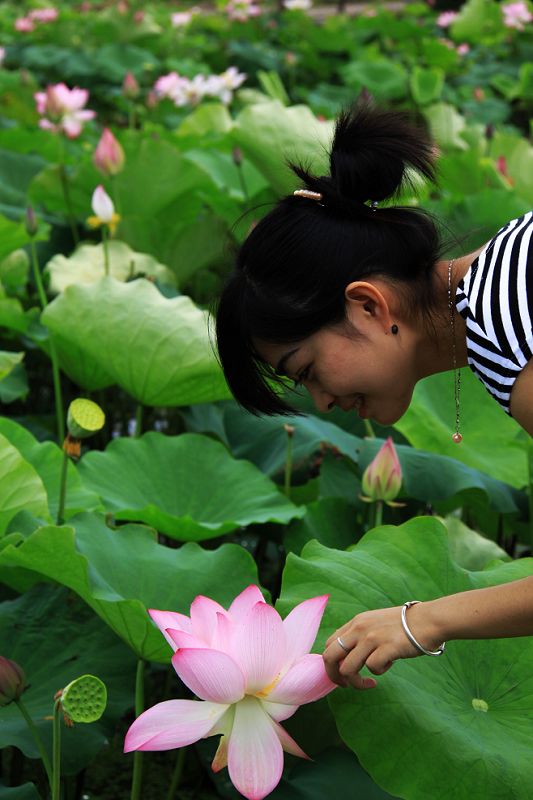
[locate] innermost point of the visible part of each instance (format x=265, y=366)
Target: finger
x=380, y=660
x=339, y=632
x=333, y=657
x=358, y=682
x=355, y=661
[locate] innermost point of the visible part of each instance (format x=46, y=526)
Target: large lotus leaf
x=466, y=716
x=489, y=435
x=187, y=486
x=21, y=488
x=27, y=791
x=155, y=348
x=518, y=154
x=387, y=80
x=86, y=265
x=121, y=573
x=270, y=134
x=55, y=641
x=47, y=460
x=8, y=362
x=263, y=440
x=15, y=385
x=468, y=548
x=431, y=477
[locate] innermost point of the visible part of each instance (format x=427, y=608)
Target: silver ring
x=341, y=643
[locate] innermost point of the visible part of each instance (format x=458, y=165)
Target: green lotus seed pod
x=84, y=699
x=84, y=418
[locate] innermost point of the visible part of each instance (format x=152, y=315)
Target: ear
x=366, y=303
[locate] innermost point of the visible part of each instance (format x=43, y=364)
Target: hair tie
x=308, y=194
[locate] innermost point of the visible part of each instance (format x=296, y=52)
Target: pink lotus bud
x=109, y=155
x=382, y=478
x=138, y=17
x=30, y=222
x=130, y=87
x=12, y=681
x=24, y=24
x=102, y=205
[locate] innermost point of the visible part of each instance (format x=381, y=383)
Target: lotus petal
x=259, y=646
x=210, y=674
x=301, y=626
x=255, y=754
x=245, y=601
x=204, y=617
x=173, y=723
x=305, y=682
x=170, y=619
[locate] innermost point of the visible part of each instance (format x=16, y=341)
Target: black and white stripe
x=496, y=299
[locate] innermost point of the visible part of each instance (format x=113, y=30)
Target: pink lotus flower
x=62, y=109
x=43, y=15
x=516, y=15
x=241, y=10
x=24, y=24
x=382, y=479
x=109, y=155
x=445, y=19
x=462, y=49
x=251, y=670
x=130, y=87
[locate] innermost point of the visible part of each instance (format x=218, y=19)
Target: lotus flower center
x=479, y=705
x=266, y=691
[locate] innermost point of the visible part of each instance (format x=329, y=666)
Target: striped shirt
x=495, y=298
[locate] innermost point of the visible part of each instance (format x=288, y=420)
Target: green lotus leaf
x=86, y=266
x=46, y=458
x=468, y=548
x=15, y=385
x=155, y=348
x=490, y=441
x=20, y=486
x=387, y=80
x=188, y=487
x=8, y=362
x=27, y=791
x=270, y=133
x=121, y=573
x=466, y=716
x=49, y=634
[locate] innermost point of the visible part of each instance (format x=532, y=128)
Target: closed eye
x=303, y=376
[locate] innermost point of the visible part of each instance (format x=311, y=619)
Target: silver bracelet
x=412, y=639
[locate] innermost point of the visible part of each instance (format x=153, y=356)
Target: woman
x=352, y=300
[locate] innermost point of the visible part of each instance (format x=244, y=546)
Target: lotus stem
x=37, y=739
x=105, y=238
x=136, y=782
x=56, y=756
x=177, y=773
x=116, y=194
x=369, y=429
x=131, y=117
x=56, y=375
x=288, y=460
x=378, y=513
x=66, y=192
x=62, y=489
x=138, y=420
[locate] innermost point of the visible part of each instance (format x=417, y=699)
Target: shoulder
x=522, y=398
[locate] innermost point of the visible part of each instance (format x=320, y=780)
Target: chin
x=389, y=417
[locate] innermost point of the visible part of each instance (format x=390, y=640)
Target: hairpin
x=309, y=194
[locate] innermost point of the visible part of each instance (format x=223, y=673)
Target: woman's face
x=359, y=365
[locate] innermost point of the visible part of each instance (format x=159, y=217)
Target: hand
x=376, y=639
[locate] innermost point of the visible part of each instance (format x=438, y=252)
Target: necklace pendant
x=457, y=438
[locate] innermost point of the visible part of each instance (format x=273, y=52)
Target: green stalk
x=116, y=194
x=137, y=756
x=62, y=489
x=288, y=462
x=56, y=375
x=138, y=420
x=529, y=454
x=66, y=192
x=131, y=117
x=177, y=773
x=56, y=758
x=378, y=513
x=37, y=739
x=105, y=238
x=369, y=429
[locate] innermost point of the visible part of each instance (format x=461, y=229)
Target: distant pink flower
x=250, y=670
x=109, y=155
x=24, y=25
x=462, y=49
x=181, y=18
x=130, y=87
x=445, y=19
x=447, y=43
x=2, y=55
x=138, y=17
x=43, y=15
x=62, y=109
x=516, y=15
x=241, y=10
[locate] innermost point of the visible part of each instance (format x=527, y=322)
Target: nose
x=323, y=401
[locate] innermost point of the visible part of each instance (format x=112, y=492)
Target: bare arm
x=377, y=639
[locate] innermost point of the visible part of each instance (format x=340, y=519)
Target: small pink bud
x=12, y=681
x=130, y=87
x=102, y=205
x=382, y=479
x=109, y=155
x=237, y=156
x=30, y=222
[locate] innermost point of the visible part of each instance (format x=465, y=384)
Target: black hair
x=292, y=269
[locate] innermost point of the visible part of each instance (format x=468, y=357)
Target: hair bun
x=371, y=149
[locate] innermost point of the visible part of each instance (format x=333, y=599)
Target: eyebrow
x=282, y=363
